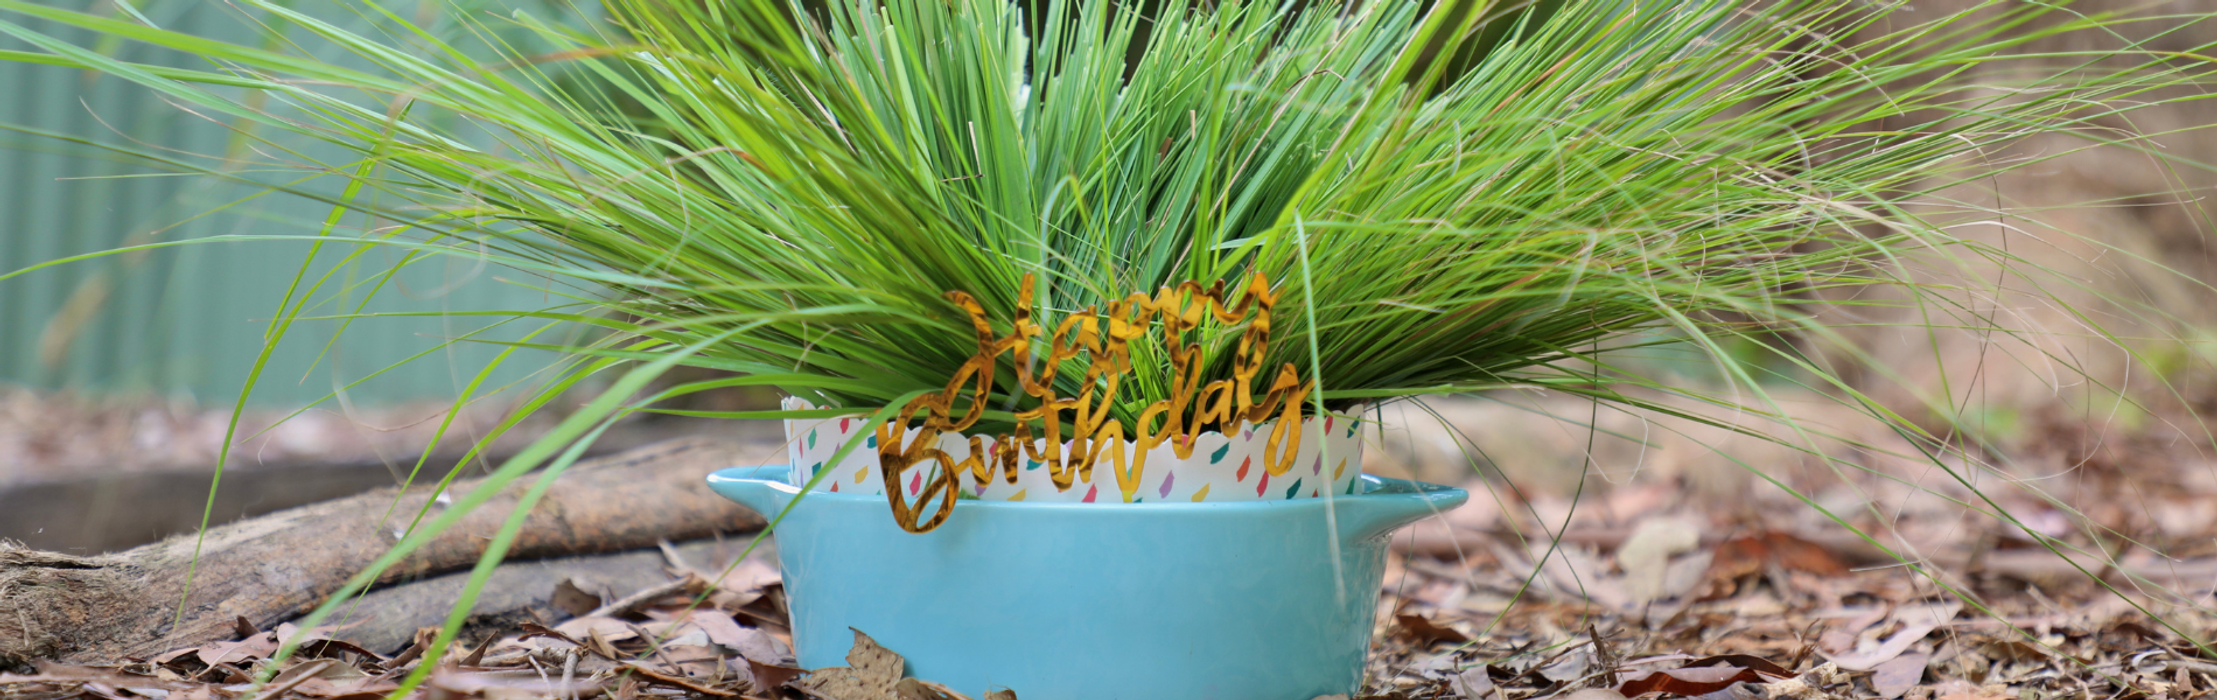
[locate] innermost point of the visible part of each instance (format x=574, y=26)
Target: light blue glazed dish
x=1077, y=601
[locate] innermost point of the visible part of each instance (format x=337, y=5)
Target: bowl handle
x=761, y=489
x=1387, y=504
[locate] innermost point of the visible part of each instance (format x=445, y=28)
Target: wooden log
x=94, y=509
x=278, y=566
x=386, y=619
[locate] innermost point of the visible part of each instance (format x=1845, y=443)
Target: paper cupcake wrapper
x=1221, y=470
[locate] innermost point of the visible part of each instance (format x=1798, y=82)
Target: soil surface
x=1644, y=587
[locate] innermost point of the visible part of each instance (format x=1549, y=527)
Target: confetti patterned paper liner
x=1102, y=337
x=1220, y=471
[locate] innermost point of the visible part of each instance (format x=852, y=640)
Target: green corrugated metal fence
x=188, y=320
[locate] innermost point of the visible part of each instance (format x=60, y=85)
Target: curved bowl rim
x=1373, y=488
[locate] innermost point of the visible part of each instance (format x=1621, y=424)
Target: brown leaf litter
x=1650, y=602
x=1738, y=610
x=692, y=637
x=1769, y=616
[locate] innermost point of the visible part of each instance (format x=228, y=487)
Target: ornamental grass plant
x=1446, y=198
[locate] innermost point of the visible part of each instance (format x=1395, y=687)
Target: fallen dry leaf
x=533, y=630
x=333, y=690
x=913, y=689
x=2010, y=650
x=259, y=646
x=1747, y=661
x=1916, y=622
x=570, y=598
x=871, y=673
x=172, y=655
x=1895, y=677
x=770, y=677
x=753, y=644
x=607, y=629
x=1474, y=684
x=766, y=609
x=702, y=661
x=1426, y=632
x=502, y=686
x=1959, y=689
x=680, y=683
x=1747, y=555
x=679, y=633
x=1840, y=637
x=1570, y=667
x=1578, y=571
x=1696, y=680
x=1645, y=556
x=747, y=581
x=478, y=654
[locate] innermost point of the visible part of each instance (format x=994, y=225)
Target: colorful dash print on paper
x=1219, y=469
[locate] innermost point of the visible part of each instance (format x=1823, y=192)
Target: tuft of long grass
x=1615, y=168
x=1451, y=197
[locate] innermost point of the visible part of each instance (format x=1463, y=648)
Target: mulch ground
x=1785, y=620
x=2086, y=573
x=1464, y=614
x=2096, y=587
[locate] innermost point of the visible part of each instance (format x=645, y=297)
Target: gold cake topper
x=1225, y=404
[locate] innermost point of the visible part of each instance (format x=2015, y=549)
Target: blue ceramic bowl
x=1077, y=601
